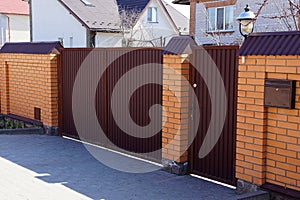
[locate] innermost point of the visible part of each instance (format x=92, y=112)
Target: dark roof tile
x=102, y=16
x=138, y=5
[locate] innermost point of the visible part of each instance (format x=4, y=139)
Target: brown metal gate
x=219, y=164
x=115, y=63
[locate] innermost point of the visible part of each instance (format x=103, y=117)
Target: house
x=100, y=23
x=156, y=24
x=14, y=21
x=76, y=23
x=214, y=22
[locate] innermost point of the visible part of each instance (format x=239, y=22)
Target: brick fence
x=268, y=138
x=29, y=82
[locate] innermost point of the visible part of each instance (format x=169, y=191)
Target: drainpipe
x=30, y=20
x=3, y=35
x=30, y=17
x=8, y=27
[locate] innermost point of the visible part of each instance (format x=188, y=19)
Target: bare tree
x=288, y=16
x=128, y=20
x=136, y=33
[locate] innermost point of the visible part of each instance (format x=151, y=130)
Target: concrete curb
x=22, y=131
x=257, y=195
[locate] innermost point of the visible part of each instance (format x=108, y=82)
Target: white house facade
x=3, y=27
x=96, y=23
x=156, y=25
x=66, y=21
x=14, y=22
x=19, y=28
x=58, y=26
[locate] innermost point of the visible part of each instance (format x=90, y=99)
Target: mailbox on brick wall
x=267, y=153
x=279, y=93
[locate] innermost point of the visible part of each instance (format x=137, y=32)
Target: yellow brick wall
x=29, y=81
x=175, y=108
x=268, y=139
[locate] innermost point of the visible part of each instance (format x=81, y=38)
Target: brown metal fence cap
x=180, y=45
x=272, y=44
x=32, y=47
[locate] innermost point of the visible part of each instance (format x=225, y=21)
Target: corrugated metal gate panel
x=71, y=61
x=219, y=164
x=117, y=62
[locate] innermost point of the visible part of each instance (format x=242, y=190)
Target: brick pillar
x=251, y=124
x=29, y=82
x=268, y=140
x=175, y=112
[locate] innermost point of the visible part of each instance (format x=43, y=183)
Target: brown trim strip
x=286, y=192
x=209, y=4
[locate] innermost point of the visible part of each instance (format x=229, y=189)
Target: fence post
x=251, y=129
x=29, y=87
x=175, y=133
x=175, y=113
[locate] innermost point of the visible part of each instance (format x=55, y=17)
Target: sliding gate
x=118, y=70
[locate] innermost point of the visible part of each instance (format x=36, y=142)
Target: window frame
x=156, y=15
x=208, y=28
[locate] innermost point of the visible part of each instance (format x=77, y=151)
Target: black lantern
x=246, y=20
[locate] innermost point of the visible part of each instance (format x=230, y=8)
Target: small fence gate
x=219, y=164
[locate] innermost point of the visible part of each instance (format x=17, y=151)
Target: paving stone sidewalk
x=47, y=167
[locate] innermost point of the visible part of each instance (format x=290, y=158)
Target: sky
x=184, y=9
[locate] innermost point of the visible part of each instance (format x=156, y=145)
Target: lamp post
x=246, y=22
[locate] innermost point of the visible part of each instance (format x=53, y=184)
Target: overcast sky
x=182, y=8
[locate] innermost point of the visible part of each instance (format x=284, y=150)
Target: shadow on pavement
x=68, y=162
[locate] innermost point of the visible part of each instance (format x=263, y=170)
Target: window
x=152, y=14
x=220, y=19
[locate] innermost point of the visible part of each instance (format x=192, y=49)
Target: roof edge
x=105, y=30
x=6, y=13
x=169, y=16
x=274, y=33
x=73, y=13
x=181, y=2
x=85, y=25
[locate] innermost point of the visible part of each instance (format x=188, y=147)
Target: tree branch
x=287, y=16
